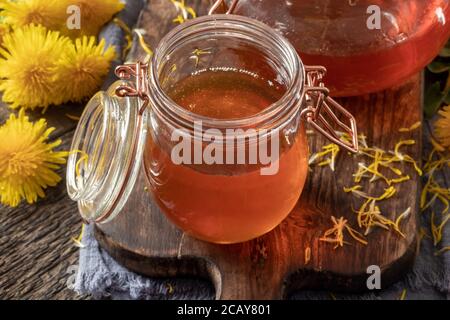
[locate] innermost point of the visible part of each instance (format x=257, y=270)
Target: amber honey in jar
x=366, y=45
x=218, y=118
x=228, y=202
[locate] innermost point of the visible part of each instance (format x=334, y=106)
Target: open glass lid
x=106, y=153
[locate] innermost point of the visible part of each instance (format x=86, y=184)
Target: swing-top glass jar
x=366, y=45
x=216, y=117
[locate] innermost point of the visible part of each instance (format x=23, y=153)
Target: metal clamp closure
x=322, y=112
x=138, y=71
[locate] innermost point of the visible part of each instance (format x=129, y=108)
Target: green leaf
x=447, y=98
x=445, y=52
x=434, y=98
x=438, y=67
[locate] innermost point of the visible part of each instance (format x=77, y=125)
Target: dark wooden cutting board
x=272, y=266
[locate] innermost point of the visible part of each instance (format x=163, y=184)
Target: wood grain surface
x=272, y=266
x=37, y=257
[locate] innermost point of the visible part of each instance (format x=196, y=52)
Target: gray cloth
x=102, y=277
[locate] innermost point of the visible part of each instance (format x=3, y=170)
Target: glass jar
x=220, y=179
x=366, y=45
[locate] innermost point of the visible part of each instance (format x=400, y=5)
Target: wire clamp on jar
x=321, y=109
x=138, y=71
x=221, y=5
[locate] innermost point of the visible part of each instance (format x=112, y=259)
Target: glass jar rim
x=273, y=114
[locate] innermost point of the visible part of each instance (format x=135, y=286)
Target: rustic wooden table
x=36, y=250
x=37, y=256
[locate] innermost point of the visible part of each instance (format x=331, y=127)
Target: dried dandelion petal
x=336, y=231
x=431, y=187
x=356, y=235
x=179, y=19
x=142, y=43
x=411, y=128
x=196, y=55
x=442, y=250
x=424, y=193
x=403, y=295
x=331, y=150
x=307, y=255
x=442, y=127
x=82, y=160
x=335, y=234
x=78, y=240
x=399, y=180
x=381, y=159
x=388, y=193
x=399, y=219
x=72, y=117
x=405, y=157
x=29, y=79
x=436, y=230
x=170, y=288
x=369, y=214
x=185, y=12
x=437, y=146
x=27, y=160
x=351, y=189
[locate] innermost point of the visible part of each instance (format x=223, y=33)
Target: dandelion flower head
x=27, y=160
x=27, y=65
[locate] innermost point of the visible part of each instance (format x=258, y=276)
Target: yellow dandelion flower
x=49, y=13
x=4, y=29
x=442, y=127
x=27, y=160
x=93, y=15
x=85, y=63
x=27, y=64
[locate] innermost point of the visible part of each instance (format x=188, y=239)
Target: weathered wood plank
x=35, y=247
